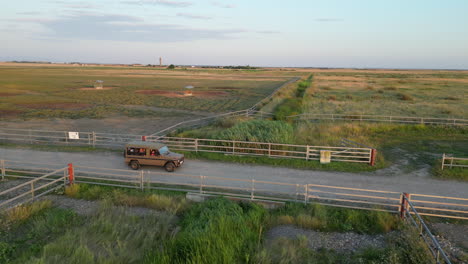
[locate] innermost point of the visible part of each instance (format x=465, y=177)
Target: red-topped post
x=71, y=173
x=372, y=158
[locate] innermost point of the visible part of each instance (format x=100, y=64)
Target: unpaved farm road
x=411, y=183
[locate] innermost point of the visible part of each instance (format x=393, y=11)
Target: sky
x=427, y=34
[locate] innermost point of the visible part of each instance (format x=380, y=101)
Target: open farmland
x=64, y=91
x=381, y=92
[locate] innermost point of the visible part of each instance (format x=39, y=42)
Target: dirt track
x=403, y=182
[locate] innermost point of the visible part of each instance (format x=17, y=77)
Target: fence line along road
x=382, y=118
x=231, y=147
x=255, y=190
x=450, y=162
x=349, y=197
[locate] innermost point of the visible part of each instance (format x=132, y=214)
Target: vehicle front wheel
x=170, y=167
x=134, y=164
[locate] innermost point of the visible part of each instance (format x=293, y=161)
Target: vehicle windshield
x=164, y=150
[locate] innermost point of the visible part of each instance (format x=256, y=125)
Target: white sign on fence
x=325, y=156
x=73, y=135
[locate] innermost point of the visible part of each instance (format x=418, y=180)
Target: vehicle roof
x=145, y=144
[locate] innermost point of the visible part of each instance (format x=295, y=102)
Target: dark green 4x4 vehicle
x=139, y=153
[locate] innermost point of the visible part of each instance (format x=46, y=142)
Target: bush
x=171, y=67
x=287, y=108
x=216, y=231
x=404, y=97
x=259, y=131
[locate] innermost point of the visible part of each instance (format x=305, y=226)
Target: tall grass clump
x=303, y=86
x=111, y=236
x=19, y=214
x=26, y=238
x=289, y=107
x=323, y=218
x=259, y=131
x=216, y=231
x=163, y=201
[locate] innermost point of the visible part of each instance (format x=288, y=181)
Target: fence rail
x=38, y=186
x=414, y=218
x=232, y=147
x=382, y=118
x=450, y=162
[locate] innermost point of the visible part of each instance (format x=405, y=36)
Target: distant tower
x=160, y=61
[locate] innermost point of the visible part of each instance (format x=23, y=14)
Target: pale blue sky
x=313, y=33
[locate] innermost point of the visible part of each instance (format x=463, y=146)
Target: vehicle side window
x=154, y=152
x=141, y=152
x=131, y=151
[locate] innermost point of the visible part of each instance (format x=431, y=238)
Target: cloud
x=193, y=16
x=75, y=5
x=328, y=20
x=168, y=3
x=222, y=5
x=88, y=26
x=267, y=32
x=32, y=13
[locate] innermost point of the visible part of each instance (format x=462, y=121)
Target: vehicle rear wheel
x=170, y=166
x=134, y=164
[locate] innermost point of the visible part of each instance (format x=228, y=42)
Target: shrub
x=404, y=97
x=259, y=131
x=331, y=97
x=287, y=108
x=216, y=231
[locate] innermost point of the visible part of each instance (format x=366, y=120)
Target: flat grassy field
x=380, y=92
x=42, y=91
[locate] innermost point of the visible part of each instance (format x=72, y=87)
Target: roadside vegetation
x=215, y=231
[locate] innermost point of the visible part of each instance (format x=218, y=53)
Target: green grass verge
x=27, y=229
x=169, y=201
x=333, y=219
x=460, y=174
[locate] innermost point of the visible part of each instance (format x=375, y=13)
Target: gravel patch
x=85, y=207
x=340, y=242
x=452, y=238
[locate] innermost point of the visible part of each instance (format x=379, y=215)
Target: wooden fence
x=272, y=150
x=382, y=118
x=305, y=152
x=451, y=162
x=39, y=185
x=251, y=188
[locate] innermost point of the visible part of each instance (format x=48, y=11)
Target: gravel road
x=409, y=182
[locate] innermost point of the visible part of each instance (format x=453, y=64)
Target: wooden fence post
x=32, y=190
x=2, y=164
x=141, y=180
x=372, y=157
x=443, y=161
x=71, y=174
x=94, y=139
x=269, y=149
x=451, y=162
x=404, y=198
x=307, y=152
x=201, y=184
x=306, y=193
x=252, y=190
x=233, y=147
